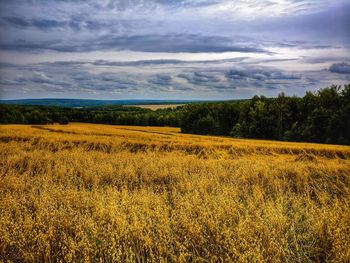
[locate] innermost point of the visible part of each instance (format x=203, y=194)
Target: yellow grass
x=156, y=106
x=98, y=193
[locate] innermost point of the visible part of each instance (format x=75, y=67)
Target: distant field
x=99, y=193
x=157, y=106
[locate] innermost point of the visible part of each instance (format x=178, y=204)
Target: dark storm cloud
x=16, y=21
x=198, y=78
x=155, y=62
x=260, y=74
x=270, y=79
x=43, y=24
x=318, y=60
x=212, y=81
x=174, y=43
x=47, y=23
x=7, y=65
x=161, y=79
x=136, y=63
x=341, y=68
x=74, y=23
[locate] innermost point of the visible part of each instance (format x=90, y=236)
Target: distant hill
x=91, y=103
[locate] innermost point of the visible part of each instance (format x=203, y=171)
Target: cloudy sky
x=171, y=49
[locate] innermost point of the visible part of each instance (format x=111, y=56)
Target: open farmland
x=157, y=106
x=94, y=193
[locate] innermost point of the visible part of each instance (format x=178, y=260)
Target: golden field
x=99, y=193
x=157, y=106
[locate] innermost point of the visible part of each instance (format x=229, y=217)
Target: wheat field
x=99, y=193
x=157, y=106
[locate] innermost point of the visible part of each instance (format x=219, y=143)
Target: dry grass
x=156, y=106
x=97, y=193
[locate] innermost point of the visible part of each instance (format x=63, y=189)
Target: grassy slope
x=93, y=192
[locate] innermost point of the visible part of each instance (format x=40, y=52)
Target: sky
x=172, y=49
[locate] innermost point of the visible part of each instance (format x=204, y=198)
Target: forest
x=321, y=116
x=107, y=114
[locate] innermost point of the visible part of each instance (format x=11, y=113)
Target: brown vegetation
x=93, y=193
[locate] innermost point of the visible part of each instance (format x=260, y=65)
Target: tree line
x=109, y=114
x=322, y=116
